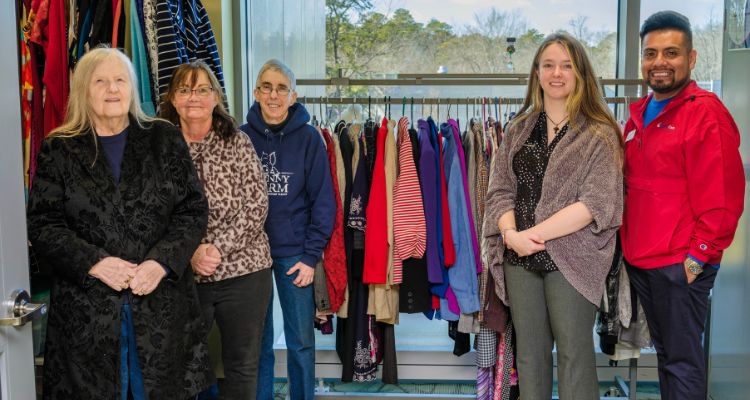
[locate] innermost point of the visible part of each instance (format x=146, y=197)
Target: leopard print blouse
x=234, y=185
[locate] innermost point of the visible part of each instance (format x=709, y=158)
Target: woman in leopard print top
x=232, y=264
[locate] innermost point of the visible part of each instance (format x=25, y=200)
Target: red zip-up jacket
x=684, y=181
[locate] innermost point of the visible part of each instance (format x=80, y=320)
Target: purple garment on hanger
x=427, y=179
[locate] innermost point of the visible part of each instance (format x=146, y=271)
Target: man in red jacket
x=684, y=195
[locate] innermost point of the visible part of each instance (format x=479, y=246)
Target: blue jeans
x=130, y=371
x=298, y=309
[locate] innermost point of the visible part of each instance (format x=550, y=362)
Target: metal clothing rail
x=453, y=80
x=418, y=101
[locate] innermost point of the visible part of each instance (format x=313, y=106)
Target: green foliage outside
x=363, y=44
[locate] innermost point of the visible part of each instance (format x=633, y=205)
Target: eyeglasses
x=267, y=88
x=203, y=91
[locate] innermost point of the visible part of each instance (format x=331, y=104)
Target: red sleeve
x=716, y=181
x=449, y=251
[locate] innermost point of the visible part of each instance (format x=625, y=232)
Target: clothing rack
x=624, y=389
x=454, y=80
x=418, y=101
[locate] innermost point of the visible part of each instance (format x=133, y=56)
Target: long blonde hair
x=586, y=99
x=79, y=114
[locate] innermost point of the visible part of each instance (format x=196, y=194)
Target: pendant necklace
x=556, y=125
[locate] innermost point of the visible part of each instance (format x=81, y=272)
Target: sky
x=548, y=15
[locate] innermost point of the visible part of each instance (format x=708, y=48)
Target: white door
x=16, y=353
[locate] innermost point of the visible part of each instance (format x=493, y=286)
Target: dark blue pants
x=676, y=314
x=131, y=378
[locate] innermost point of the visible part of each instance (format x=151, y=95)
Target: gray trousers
x=547, y=310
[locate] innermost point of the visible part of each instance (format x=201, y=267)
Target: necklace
x=556, y=124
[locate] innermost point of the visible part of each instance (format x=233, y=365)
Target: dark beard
x=668, y=88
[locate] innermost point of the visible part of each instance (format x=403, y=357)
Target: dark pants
x=676, y=314
x=239, y=307
x=131, y=377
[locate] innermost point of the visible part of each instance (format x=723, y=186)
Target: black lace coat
x=77, y=216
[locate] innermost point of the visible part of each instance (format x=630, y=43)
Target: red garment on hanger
x=56, y=77
x=449, y=252
x=376, y=232
x=334, y=257
x=117, y=9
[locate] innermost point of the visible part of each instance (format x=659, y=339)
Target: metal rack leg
x=633, y=375
x=628, y=390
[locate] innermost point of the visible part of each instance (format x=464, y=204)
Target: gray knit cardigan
x=583, y=167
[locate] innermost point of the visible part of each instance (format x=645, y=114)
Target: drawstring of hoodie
x=269, y=142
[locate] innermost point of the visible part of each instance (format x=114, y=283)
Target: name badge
x=630, y=136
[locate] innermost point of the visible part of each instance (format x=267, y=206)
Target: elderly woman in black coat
x=115, y=212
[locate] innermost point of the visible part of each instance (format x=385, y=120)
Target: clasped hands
x=119, y=274
x=524, y=243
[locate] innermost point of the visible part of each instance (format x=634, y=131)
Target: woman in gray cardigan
x=553, y=208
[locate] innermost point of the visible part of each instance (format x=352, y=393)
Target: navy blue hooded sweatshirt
x=302, y=208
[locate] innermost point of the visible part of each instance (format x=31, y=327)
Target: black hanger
x=369, y=109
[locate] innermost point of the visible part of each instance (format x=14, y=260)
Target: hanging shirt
x=463, y=274
x=184, y=34
x=376, y=233
x=334, y=259
x=427, y=180
x=449, y=252
x=469, y=209
x=140, y=60
x=408, y=214
x=55, y=68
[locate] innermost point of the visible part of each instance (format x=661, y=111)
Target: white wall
x=292, y=31
x=730, y=320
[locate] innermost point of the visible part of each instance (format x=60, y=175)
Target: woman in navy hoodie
x=300, y=220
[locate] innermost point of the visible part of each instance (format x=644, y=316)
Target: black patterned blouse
x=529, y=165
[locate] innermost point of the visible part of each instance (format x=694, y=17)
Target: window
x=706, y=20
x=371, y=39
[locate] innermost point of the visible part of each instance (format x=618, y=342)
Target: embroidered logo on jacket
x=662, y=125
x=278, y=181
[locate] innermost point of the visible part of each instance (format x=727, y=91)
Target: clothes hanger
x=369, y=109
x=497, y=110
x=438, y=109
x=484, y=118
x=468, y=121
x=322, y=115
x=403, y=107
x=412, y=112
x=314, y=121
x=390, y=106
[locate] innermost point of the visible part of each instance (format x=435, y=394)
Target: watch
x=693, y=266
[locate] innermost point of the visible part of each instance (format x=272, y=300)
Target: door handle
x=20, y=310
